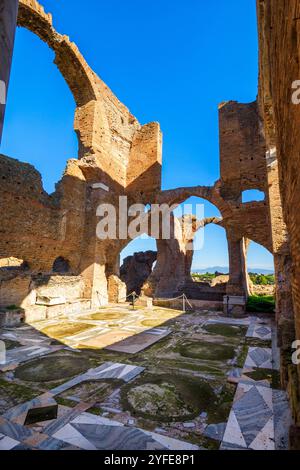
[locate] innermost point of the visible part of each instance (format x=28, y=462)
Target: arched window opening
x=253, y=195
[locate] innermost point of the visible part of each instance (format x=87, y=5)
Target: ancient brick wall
x=115, y=150
x=279, y=41
x=8, y=20
x=242, y=149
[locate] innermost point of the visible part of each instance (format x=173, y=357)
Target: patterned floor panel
x=260, y=329
x=260, y=416
x=250, y=423
x=91, y=432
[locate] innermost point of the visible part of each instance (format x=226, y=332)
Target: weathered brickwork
x=116, y=151
x=279, y=41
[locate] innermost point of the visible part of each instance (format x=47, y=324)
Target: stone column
x=8, y=21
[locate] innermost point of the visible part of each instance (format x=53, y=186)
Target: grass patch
x=13, y=394
x=261, y=304
x=272, y=376
x=206, y=351
x=225, y=330
x=168, y=398
x=243, y=352
x=10, y=344
x=65, y=402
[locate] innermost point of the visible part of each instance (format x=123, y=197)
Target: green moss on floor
x=93, y=390
x=258, y=343
x=12, y=394
x=65, y=402
x=201, y=367
x=220, y=413
x=206, y=350
x=225, y=330
x=10, y=344
x=272, y=376
x=52, y=368
x=242, y=354
x=95, y=411
x=204, y=442
x=168, y=398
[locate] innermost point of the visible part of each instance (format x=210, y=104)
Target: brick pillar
x=237, y=287
x=238, y=278
x=8, y=21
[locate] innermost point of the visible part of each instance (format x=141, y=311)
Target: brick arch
x=78, y=75
x=85, y=86
x=208, y=193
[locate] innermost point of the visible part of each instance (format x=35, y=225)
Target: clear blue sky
x=171, y=61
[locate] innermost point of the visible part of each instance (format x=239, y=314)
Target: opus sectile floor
x=76, y=429
x=32, y=345
x=260, y=415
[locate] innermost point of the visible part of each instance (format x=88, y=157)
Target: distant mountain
x=260, y=271
x=225, y=270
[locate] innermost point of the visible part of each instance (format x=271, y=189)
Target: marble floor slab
x=260, y=358
x=7, y=443
x=17, y=356
x=282, y=419
x=90, y=432
x=260, y=329
x=139, y=342
x=229, y=321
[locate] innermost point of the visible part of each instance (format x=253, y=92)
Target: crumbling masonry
x=259, y=149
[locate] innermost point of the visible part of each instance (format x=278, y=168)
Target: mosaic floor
x=144, y=379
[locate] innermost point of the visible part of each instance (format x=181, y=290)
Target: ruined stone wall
x=279, y=68
x=242, y=149
x=144, y=166
x=36, y=227
x=243, y=167
x=8, y=20
x=116, y=151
